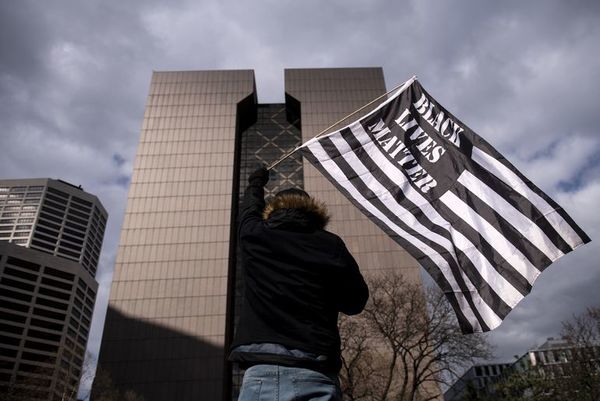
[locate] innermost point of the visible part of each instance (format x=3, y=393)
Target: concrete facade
x=50, y=238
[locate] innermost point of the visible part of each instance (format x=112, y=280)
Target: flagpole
x=291, y=152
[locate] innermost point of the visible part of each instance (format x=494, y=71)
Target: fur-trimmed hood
x=294, y=210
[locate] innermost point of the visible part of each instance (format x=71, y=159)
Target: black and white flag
x=481, y=229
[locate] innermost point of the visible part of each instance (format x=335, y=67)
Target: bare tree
x=404, y=345
x=574, y=373
x=104, y=389
x=358, y=360
x=131, y=395
x=580, y=374
x=88, y=371
x=583, y=330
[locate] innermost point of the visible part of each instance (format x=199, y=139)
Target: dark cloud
x=23, y=40
x=524, y=75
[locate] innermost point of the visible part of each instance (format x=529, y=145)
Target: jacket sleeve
x=353, y=291
x=253, y=202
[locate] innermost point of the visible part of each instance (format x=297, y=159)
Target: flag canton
x=428, y=144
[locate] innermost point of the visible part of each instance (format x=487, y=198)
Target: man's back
x=297, y=277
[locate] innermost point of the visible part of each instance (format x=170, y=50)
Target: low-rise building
x=555, y=360
x=476, y=381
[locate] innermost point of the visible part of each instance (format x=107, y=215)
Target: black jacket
x=297, y=277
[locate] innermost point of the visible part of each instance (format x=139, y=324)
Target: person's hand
x=259, y=177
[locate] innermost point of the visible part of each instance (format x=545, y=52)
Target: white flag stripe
x=384, y=195
x=497, y=282
x=397, y=176
x=491, y=319
x=523, y=224
x=466, y=310
x=504, y=247
x=338, y=175
x=562, y=227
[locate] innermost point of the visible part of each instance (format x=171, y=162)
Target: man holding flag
x=297, y=278
x=481, y=229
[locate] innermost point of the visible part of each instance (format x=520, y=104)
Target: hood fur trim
x=293, y=201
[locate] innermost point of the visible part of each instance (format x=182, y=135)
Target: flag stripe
x=368, y=199
x=508, y=251
x=377, y=163
x=489, y=305
x=358, y=175
x=489, y=151
x=502, y=267
x=340, y=180
x=467, y=320
x=384, y=167
x=522, y=224
x=364, y=166
x=484, y=275
x=561, y=226
x=379, y=184
x=523, y=205
x=508, y=232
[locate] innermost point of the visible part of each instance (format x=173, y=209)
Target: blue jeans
x=280, y=383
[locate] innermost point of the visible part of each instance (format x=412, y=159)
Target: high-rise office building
x=174, y=298
x=51, y=233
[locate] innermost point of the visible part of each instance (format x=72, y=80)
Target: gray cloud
x=524, y=75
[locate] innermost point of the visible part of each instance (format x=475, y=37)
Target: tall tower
x=51, y=234
x=173, y=304
x=164, y=334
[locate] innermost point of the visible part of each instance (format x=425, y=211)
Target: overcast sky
x=74, y=76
